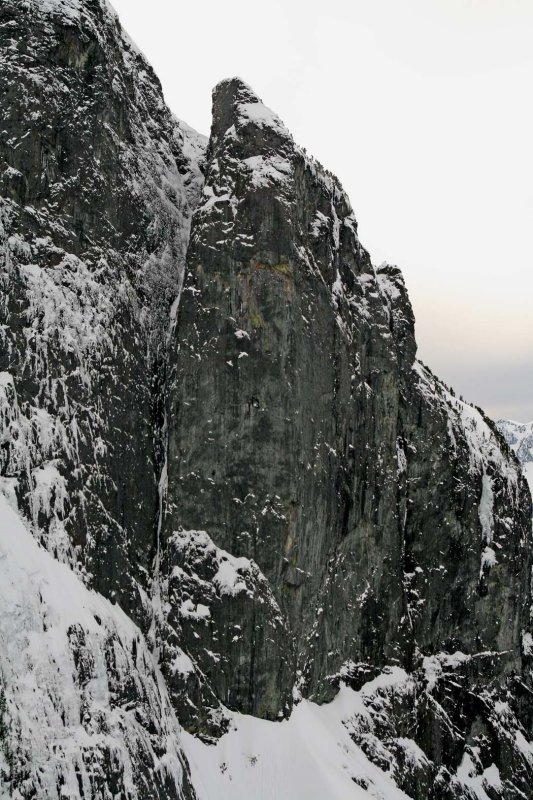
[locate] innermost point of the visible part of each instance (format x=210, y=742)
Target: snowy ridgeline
x=484, y=454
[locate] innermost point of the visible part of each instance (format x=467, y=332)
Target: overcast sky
x=424, y=109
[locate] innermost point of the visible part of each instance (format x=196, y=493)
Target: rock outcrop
x=304, y=437
x=212, y=413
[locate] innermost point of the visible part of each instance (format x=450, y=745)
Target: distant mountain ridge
x=519, y=436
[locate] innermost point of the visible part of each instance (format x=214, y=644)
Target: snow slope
x=333, y=751
x=310, y=755
x=81, y=699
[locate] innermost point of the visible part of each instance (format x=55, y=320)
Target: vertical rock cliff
x=98, y=183
x=212, y=414
x=306, y=440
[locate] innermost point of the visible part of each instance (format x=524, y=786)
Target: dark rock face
x=270, y=401
x=98, y=185
x=305, y=438
x=265, y=479
x=98, y=182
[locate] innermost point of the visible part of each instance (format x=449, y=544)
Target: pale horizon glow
x=423, y=110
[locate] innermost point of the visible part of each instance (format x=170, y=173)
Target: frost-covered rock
x=98, y=183
x=221, y=611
